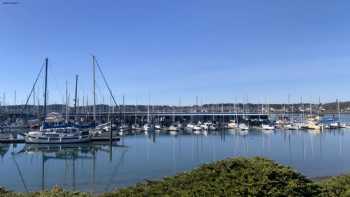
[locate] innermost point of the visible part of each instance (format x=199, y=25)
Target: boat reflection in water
x=4, y=149
x=73, y=156
x=99, y=168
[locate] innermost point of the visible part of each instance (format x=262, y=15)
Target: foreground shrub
x=336, y=187
x=55, y=192
x=231, y=177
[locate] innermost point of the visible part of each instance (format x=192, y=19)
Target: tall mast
x=94, y=86
x=45, y=90
x=319, y=106
x=66, y=101
x=149, y=102
x=34, y=103
x=338, y=109
x=15, y=102
x=292, y=113
x=310, y=109
x=76, y=95
x=135, y=108
x=109, y=109
x=302, y=107
x=123, y=109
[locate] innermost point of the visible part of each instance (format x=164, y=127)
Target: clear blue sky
x=217, y=50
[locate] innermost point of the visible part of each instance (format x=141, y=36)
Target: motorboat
x=189, y=127
x=291, y=126
x=208, y=126
x=232, y=125
x=123, y=128
x=243, y=126
x=336, y=125
x=197, y=128
x=157, y=127
x=148, y=127
x=101, y=129
x=310, y=125
x=267, y=127
x=212, y=127
x=172, y=128
x=136, y=128
x=205, y=126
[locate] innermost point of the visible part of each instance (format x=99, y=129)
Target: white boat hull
x=63, y=140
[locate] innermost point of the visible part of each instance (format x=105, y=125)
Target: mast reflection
x=70, y=153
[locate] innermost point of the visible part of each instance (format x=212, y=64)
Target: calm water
x=98, y=168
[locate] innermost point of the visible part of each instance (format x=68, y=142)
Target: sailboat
x=148, y=126
x=104, y=131
x=339, y=124
x=135, y=127
x=55, y=133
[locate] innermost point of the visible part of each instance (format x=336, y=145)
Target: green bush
x=231, y=177
x=336, y=187
x=55, y=192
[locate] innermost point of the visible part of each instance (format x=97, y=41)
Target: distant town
x=323, y=108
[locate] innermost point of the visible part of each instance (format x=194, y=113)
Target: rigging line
x=34, y=85
x=104, y=79
x=116, y=169
x=20, y=173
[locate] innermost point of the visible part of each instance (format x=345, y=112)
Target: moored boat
x=267, y=127
x=232, y=125
x=61, y=135
x=243, y=126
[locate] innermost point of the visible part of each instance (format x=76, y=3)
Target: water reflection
x=72, y=156
x=101, y=167
x=4, y=148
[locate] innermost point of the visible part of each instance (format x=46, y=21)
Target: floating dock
x=12, y=141
x=103, y=139
x=93, y=139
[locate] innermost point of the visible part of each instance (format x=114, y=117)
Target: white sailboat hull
x=63, y=140
x=57, y=136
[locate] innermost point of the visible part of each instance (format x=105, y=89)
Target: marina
x=99, y=167
x=100, y=147
x=102, y=152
